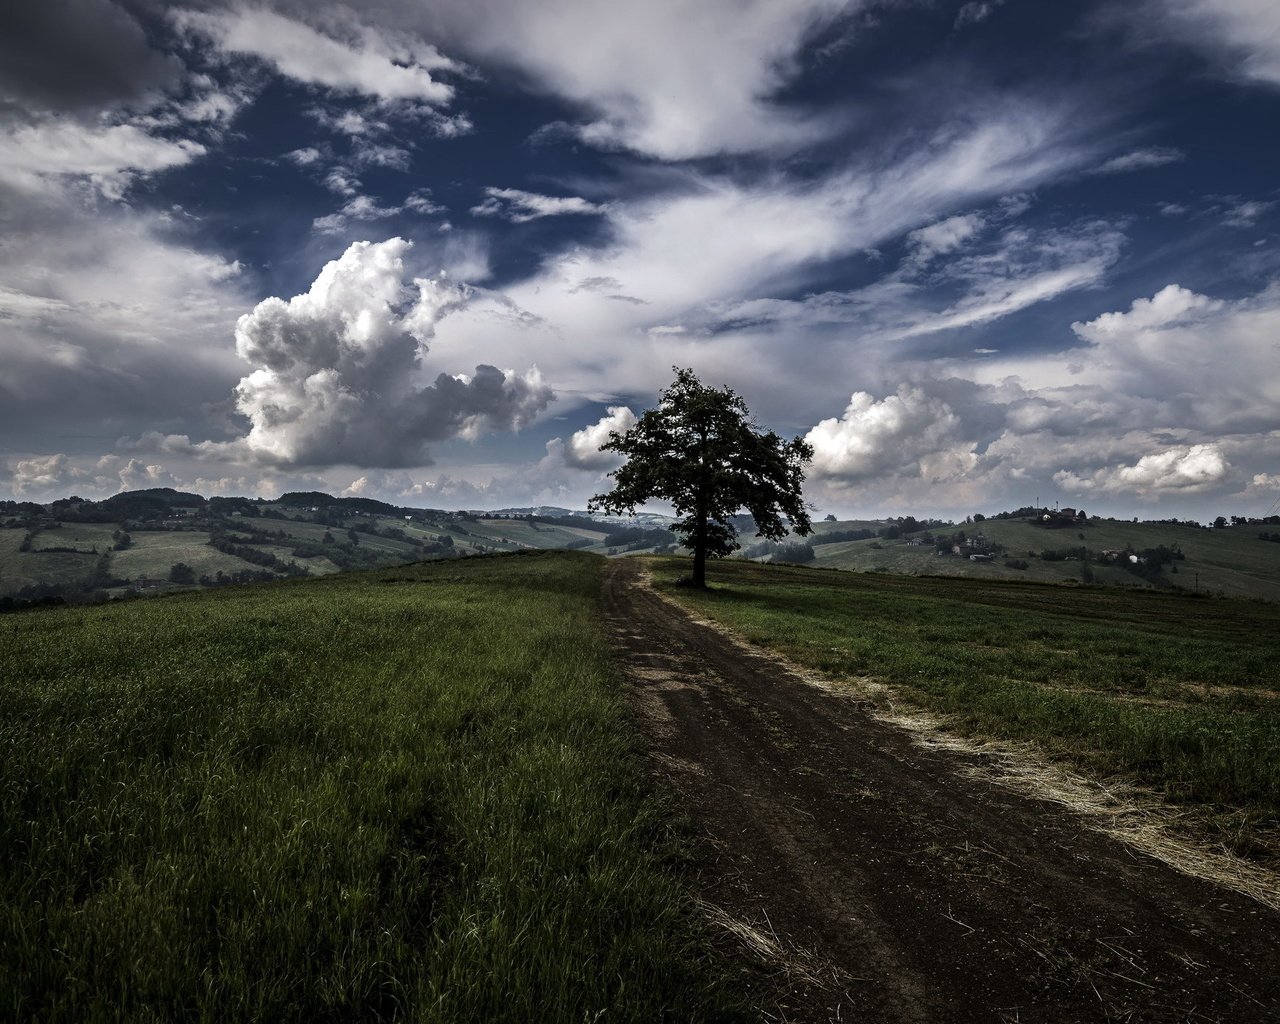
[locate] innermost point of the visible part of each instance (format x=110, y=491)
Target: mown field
x=402, y=794
x=151, y=555
x=1180, y=693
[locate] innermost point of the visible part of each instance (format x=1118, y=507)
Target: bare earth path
x=899, y=890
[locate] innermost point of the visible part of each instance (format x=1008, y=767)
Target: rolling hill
x=130, y=544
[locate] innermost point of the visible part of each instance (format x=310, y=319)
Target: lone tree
x=700, y=451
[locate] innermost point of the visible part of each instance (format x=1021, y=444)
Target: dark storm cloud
x=109, y=326
x=78, y=56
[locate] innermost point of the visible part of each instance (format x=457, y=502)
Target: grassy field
x=512, y=534
x=314, y=533
x=1178, y=692
x=1232, y=562
x=153, y=553
x=517, y=534
x=317, y=565
x=426, y=534
x=20, y=568
x=94, y=538
x=402, y=794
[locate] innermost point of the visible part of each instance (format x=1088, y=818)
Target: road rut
x=891, y=887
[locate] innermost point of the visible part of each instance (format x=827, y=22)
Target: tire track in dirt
x=886, y=886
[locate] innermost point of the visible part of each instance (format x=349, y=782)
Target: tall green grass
x=398, y=795
x=1178, y=692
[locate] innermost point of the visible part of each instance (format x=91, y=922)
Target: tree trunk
x=700, y=554
x=700, y=536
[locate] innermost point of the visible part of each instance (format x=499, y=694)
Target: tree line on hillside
x=1148, y=563
x=154, y=503
x=791, y=552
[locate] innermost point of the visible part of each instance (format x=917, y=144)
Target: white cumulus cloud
x=337, y=369
x=1183, y=469
x=1208, y=362
x=1172, y=304
x=42, y=474
x=137, y=475
x=583, y=450
x=874, y=438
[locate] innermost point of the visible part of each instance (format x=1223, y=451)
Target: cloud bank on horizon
x=976, y=253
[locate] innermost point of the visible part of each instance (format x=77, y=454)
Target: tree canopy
x=700, y=450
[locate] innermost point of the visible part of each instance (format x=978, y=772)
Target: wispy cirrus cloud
x=1246, y=213
x=361, y=210
x=42, y=156
x=668, y=79
x=944, y=236
x=519, y=206
x=992, y=270
x=1141, y=159
x=708, y=251
x=350, y=57
x=977, y=11
x=1243, y=36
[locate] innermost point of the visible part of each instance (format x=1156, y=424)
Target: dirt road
x=887, y=887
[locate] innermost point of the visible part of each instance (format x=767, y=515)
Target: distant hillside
x=160, y=539
x=1232, y=561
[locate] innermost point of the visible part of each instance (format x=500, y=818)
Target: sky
x=981, y=254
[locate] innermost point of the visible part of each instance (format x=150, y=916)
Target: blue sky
x=979, y=253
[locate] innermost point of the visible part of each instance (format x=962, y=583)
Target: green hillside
x=223, y=541
x=229, y=540
x=152, y=554
x=1232, y=561
x=20, y=568
x=406, y=793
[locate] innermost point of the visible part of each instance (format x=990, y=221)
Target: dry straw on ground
x=801, y=967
